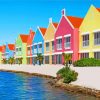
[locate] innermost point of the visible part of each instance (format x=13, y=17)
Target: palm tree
x=67, y=58
x=20, y=60
x=11, y=60
x=4, y=61
x=39, y=58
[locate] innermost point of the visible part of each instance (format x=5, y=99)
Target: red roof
x=55, y=25
x=0, y=48
x=98, y=9
x=11, y=47
x=30, y=37
x=24, y=38
x=43, y=30
x=75, y=21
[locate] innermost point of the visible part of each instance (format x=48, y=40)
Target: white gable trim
x=84, y=51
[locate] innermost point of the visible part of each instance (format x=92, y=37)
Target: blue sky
x=18, y=16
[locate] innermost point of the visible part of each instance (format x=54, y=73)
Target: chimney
x=50, y=20
x=63, y=12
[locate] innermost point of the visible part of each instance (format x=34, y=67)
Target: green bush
x=87, y=62
x=67, y=74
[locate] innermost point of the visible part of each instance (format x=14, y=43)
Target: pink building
x=66, y=38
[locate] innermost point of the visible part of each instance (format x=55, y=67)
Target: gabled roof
x=75, y=21
x=55, y=25
x=31, y=36
x=24, y=38
x=11, y=47
x=98, y=9
x=43, y=30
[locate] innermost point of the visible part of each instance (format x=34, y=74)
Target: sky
x=18, y=16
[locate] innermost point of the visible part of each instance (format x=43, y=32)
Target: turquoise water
x=14, y=86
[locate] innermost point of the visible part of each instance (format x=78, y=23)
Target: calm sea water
x=14, y=86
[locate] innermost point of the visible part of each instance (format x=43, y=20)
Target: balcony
x=86, y=43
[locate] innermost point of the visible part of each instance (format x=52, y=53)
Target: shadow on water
x=14, y=86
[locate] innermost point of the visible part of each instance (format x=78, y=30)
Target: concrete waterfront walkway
x=87, y=76
x=49, y=70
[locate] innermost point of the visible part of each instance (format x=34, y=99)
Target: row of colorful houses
x=79, y=37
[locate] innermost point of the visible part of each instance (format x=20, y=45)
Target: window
x=46, y=59
x=97, y=55
x=53, y=59
x=52, y=45
x=28, y=48
x=59, y=43
x=84, y=55
x=85, y=40
x=59, y=59
x=47, y=46
x=67, y=42
x=97, y=38
x=35, y=48
x=40, y=48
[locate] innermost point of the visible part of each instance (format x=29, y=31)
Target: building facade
x=49, y=42
x=66, y=37
x=29, y=47
x=38, y=43
x=89, y=35
x=21, y=46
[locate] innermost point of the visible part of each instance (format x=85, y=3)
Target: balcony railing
x=86, y=43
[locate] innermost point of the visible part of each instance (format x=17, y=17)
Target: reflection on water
x=14, y=86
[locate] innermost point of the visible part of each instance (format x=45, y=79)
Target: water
x=14, y=86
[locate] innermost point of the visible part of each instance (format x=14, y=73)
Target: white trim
x=84, y=51
x=69, y=22
x=59, y=37
x=67, y=47
x=85, y=33
x=18, y=56
x=35, y=43
x=48, y=54
x=97, y=30
x=57, y=53
x=68, y=35
x=39, y=43
x=96, y=50
x=34, y=55
x=49, y=40
x=29, y=56
x=19, y=47
x=68, y=52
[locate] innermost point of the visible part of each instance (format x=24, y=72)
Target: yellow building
x=49, y=42
x=89, y=34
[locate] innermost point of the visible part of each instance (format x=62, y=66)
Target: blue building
x=9, y=51
x=38, y=43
